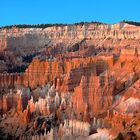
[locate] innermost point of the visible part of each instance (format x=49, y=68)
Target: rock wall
x=11, y=80
x=3, y=43
x=101, y=34
x=87, y=88
x=60, y=73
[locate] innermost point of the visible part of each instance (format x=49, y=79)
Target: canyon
x=78, y=81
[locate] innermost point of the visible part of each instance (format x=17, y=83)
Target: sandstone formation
x=70, y=81
x=39, y=37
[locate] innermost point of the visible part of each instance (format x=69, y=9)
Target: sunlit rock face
x=95, y=98
x=69, y=41
x=70, y=82
x=38, y=37
x=82, y=39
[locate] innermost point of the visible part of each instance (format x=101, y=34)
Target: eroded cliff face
x=84, y=79
x=69, y=41
x=121, y=34
x=102, y=91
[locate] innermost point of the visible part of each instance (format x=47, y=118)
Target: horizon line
x=63, y=24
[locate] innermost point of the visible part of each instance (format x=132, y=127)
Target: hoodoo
x=77, y=81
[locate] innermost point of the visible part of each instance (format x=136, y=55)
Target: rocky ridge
x=84, y=81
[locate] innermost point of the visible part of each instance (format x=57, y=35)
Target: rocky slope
x=86, y=39
x=79, y=82
x=100, y=35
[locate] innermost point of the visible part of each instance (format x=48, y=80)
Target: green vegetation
x=124, y=123
x=86, y=23
x=119, y=137
x=131, y=22
x=132, y=135
x=47, y=25
x=31, y=26
x=18, y=69
x=28, y=58
x=60, y=24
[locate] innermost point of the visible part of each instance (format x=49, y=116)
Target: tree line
x=131, y=22
x=59, y=24
x=46, y=25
